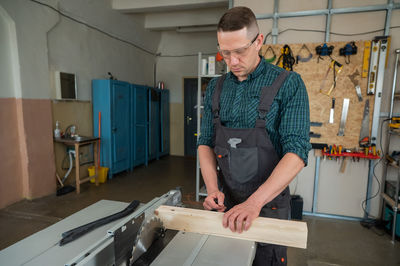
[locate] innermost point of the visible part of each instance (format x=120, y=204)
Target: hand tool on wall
x=349, y=49
x=336, y=68
x=272, y=58
x=345, y=110
x=316, y=124
x=324, y=50
x=303, y=59
x=354, y=80
x=373, y=67
x=364, y=132
x=395, y=123
x=332, y=112
x=367, y=52
x=314, y=135
x=286, y=59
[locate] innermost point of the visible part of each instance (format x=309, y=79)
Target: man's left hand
x=239, y=218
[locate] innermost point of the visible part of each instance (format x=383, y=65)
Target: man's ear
x=259, y=41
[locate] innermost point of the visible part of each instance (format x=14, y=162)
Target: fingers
x=241, y=221
x=215, y=201
x=221, y=198
x=247, y=224
x=238, y=219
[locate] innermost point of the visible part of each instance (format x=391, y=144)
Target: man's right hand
x=215, y=201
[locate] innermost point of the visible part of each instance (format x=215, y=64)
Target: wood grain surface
x=266, y=230
x=313, y=74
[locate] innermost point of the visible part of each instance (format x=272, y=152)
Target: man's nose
x=234, y=59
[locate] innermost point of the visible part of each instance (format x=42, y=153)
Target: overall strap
x=216, y=97
x=267, y=97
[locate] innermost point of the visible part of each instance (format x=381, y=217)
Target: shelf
x=389, y=200
x=394, y=132
x=203, y=191
x=352, y=154
x=390, y=162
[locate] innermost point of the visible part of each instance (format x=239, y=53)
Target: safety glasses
x=239, y=52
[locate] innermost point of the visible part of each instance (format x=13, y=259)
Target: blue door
x=120, y=129
x=164, y=108
x=140, y=125
x=154, y=123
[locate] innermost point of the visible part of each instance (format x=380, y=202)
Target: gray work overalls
x=246, y=158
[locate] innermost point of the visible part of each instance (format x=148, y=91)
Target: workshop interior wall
x=340, y=194
x=46, y=43
x=172, y=71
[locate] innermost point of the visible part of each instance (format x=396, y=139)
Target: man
x=255, y=128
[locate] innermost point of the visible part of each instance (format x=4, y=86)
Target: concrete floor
x=330, y=241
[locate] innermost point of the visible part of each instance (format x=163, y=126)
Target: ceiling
x=179, y=15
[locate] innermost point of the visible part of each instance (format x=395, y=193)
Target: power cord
x=371, y=221
x=94, y=28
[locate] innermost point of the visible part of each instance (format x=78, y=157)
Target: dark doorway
x=190, y=116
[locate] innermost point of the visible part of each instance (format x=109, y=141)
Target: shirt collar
x=258, y=71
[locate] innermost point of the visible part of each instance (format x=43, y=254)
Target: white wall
x=173, y=69
x=48, y=42
x=10, y=85
x=32, y=22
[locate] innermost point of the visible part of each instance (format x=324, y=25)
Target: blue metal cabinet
x=154, y=123
x=139, y=125
x=112, y=99
x=164, y=122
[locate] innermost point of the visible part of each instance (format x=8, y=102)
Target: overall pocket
x=222, y=155
x=243, y=164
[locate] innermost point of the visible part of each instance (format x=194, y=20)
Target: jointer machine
x=136, y=239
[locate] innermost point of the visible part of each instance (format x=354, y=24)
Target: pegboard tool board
x=313, y=74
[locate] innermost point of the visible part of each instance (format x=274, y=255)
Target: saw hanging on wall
x=286, y=59
x=336, y=67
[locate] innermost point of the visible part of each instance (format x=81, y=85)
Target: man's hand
x=239, y=218
x=215, y=201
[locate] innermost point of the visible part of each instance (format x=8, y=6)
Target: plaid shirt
x=288, y=121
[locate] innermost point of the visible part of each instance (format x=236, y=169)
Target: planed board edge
x=265, y=230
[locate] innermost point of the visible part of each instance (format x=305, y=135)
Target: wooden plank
x=265, y=230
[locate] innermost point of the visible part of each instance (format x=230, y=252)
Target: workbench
x=77, y=143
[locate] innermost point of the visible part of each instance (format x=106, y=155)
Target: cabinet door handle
x=114, y=129
x=188, y=119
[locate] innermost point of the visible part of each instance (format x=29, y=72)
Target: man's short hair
x=238, y=18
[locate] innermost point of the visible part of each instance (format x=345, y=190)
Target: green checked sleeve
x=207, y=127
x=294, y=126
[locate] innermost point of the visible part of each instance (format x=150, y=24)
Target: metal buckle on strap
x=262, y=114
x=216, y=114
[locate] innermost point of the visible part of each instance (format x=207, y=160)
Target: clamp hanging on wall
x=286, y=59
x=347, y=50
x=270, y=59
x=304, y=59
x=324, y=50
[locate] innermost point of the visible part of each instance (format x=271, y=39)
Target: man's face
x=240, y=51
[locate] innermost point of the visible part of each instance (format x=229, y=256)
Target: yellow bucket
x=102, y=174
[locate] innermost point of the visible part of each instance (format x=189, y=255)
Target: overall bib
x=246, y=158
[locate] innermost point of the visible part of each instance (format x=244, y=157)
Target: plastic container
x=57, y=132
x=102, y=172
